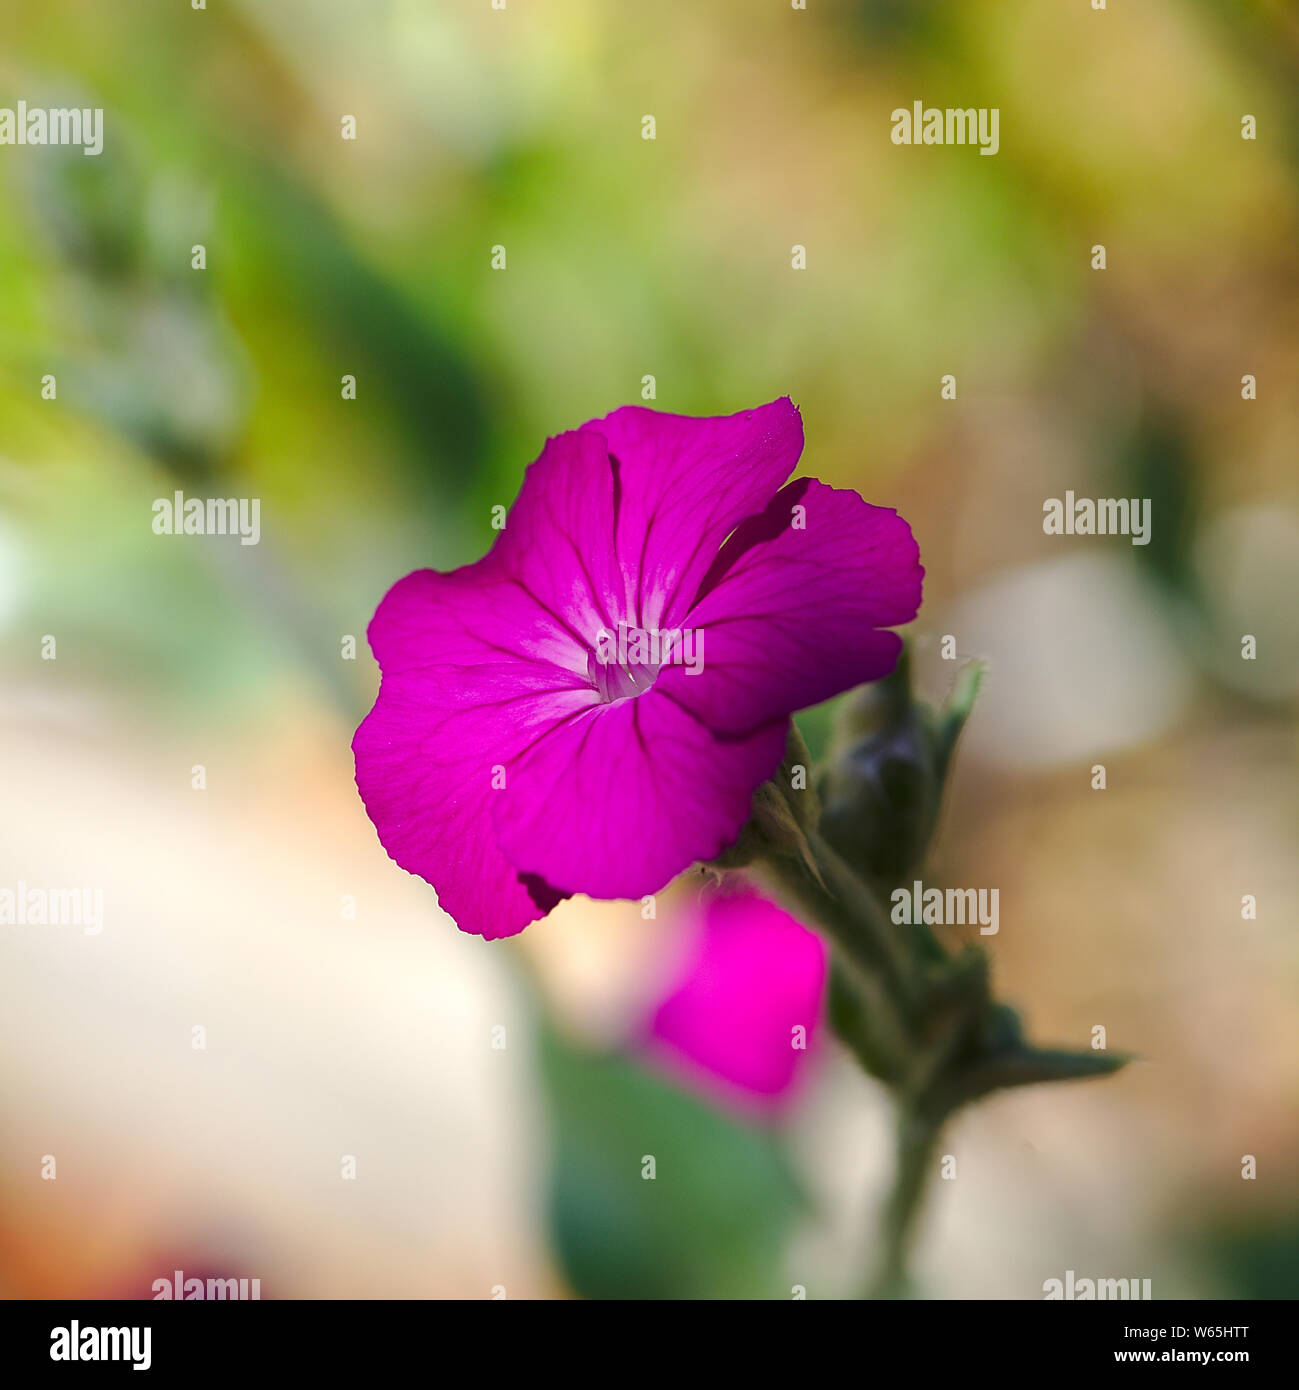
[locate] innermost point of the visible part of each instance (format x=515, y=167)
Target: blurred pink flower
x=743, y=1019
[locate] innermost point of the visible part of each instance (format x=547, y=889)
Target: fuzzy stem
x=917, y=1138
x=886, y=980
x=871, y=957
x=918, y=1017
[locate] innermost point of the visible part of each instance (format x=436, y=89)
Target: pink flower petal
x=790, y=612
x=558, y=541
x=682, y=485
x=620, y=799
x=465, y=690
x=729, y=1026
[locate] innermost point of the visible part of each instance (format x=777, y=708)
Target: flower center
x=624, y=663
x=618, y=681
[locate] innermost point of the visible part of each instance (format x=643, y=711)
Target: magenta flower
x=742, y=1020
x=591, y=706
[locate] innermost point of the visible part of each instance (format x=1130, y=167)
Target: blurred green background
x=628, y=259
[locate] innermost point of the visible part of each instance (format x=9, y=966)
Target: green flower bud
x=880, y=801
x=883, y=789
